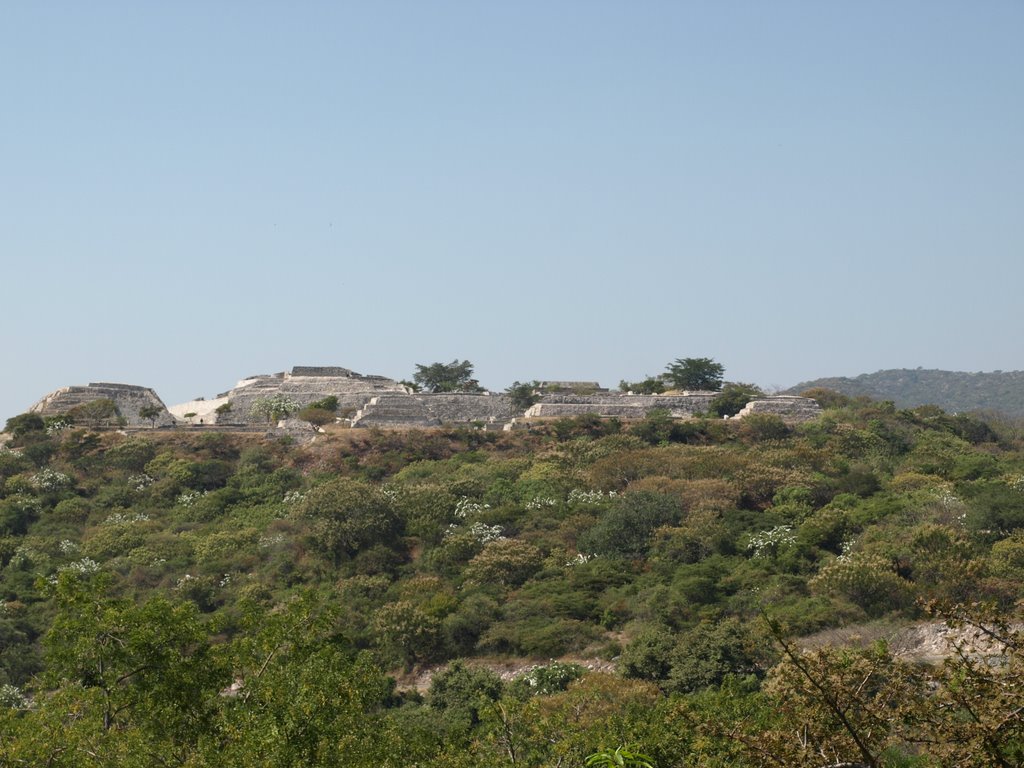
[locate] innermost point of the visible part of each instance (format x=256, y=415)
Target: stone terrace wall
x=395, y=410
x=787, y=407
x=623, y=406
x=454, y=407
x=129, y=399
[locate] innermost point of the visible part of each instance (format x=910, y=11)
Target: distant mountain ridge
x=953, y=391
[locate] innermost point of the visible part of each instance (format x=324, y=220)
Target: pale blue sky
x=193, y=192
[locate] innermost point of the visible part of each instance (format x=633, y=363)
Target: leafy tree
x=349, y=516
x=652, y=385
x=95, y=412
x=456, y=376
x=223, y=408
x=706, y=654
x=463, y=692
x=151, y=413
x=151, y=664
x=695, y=373
x=625, y=529
x=732, y=397
x=305, y=698
x=25, y=423
x=406, y=633
x=505, y=561
x=523, y=394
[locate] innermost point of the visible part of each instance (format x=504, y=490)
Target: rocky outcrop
x=128, y=398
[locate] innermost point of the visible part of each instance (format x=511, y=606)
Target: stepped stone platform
x=304, y=385
x=129, y=399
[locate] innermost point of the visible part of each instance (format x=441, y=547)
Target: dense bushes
x=662, y=540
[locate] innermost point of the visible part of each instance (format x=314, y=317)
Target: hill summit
x=953, y=391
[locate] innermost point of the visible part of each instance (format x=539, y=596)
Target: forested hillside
x=204, y=599
x=953, y=391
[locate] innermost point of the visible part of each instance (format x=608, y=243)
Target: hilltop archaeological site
x=378, y=401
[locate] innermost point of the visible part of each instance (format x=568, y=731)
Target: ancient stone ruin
x=377, y=401
x=128, y=399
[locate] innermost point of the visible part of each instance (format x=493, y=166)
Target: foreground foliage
x=202, y=599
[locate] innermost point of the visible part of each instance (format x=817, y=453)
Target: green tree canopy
x=24, y=423
x=523, y=394
x=456, y=376
x=95, y=412
x=151, y=413
x=701, y=373
x=733, y=397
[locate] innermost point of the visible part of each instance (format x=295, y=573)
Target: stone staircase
x=394, y=410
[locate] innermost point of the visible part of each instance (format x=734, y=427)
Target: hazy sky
x=193, y=192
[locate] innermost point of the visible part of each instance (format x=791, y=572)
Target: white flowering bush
x=480, y=531
x=11, y=697
x=293, y=497
x=58, y=424
x=580, y=496
x=185, y=581
x=67, y=547
x=140, y=482
x=50, y=480
x=768, y=543
x=579, y=559
x=540, y=502
x=466, y=507
x=189, y=498
x=846, y=550
x=126, y=518
x=546, y=679
x=270, y=541
x=84, y=567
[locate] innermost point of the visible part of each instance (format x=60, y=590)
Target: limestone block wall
x=623, y=406
x=427, y=409
x=455, y=407
x=789, y=408
x=128, y=398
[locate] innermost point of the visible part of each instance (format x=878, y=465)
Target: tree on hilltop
x=695, y=373
x=456, y=376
